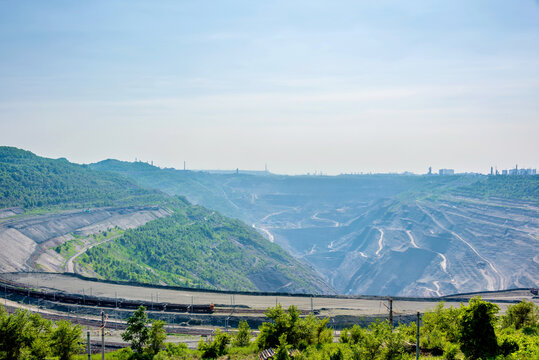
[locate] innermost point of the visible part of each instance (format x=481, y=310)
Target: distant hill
x=31, y=181
x=179, y=243
x=508, y=187
x=380, y=234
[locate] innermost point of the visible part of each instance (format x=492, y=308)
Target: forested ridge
x=503, y=186
x=31, y=181
x=192, y=247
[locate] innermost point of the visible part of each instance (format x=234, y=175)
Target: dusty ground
x=353, y=305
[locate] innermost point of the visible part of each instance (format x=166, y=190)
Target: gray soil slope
x=376, y=234
x=434, y=248
x=24, y=239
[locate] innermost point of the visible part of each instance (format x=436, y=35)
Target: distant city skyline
x=304, y=86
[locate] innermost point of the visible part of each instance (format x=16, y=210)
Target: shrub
x=243, y=337
x=215, y=348
x=523, y=314
x=477, y=337
x=450, y=351
x=66, y=340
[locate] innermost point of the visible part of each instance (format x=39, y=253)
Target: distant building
x=446, y=172
x=519, y=172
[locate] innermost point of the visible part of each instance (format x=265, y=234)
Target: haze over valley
x=379, y=234
x=58, y=216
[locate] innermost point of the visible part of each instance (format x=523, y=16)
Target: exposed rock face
x=380, y=234
x=427, y=248
x=24, y=239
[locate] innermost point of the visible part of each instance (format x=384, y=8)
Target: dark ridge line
x=448, y=298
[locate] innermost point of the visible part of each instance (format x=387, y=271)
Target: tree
x=66, y=340
x=157, y=336
x=477, y=338
x=243, y=337
x=12, y=333
x=440, y=326
x=23, y=335
x=42, y=329
x=299, y=332
x=523, y=314
x=281, y=353
x=215, y=348
x=136, y=332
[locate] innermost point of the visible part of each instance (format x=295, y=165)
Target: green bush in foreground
x=28, y=336
x=468, y=332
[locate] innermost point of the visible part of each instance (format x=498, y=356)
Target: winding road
x=70, y=267
x=380, y=242
x=412, y=241
x=490, y=280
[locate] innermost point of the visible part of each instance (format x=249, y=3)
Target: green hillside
x=200, y=248
x=509, y=187
x=192, y=247
x=30, y=181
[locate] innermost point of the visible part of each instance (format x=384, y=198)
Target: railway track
x=88, y=321
x=10, y=287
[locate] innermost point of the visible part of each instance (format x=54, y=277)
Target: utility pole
x=312, y=308
x=417, y=339
x=88, y=349
x=391, y=313
x=102, y=335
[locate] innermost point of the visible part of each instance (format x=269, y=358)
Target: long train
x=106, y=302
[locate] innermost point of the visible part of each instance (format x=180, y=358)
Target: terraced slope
x=381, y=234
x=51, y=210
x=196, y=247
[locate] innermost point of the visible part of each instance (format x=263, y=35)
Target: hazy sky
x=332, y=86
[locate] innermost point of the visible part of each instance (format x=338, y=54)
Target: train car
x=110, y=303
x=177, y=307
x=204, y=309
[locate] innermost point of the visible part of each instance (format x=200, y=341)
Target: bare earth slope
x=60, y=216
x=435, y=248
x=25, y=239
x=381, y=234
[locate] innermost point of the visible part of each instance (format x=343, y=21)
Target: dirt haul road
x=330, y=306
